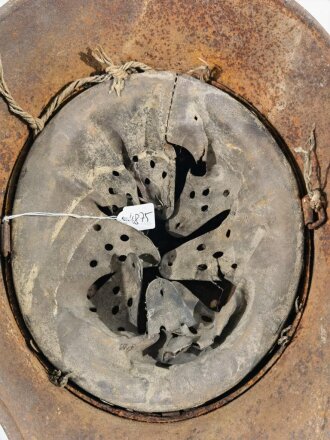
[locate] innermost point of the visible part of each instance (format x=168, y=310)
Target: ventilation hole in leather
x=115, y=310
x=202, y=267
x=93, y=263
x=206, y=318
x=201, y=247
x=116, y=290
x=97, y=227
x=124, y=237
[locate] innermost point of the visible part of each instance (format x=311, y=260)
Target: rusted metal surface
x=273, y=56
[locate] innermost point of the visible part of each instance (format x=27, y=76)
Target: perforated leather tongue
x=144, y=319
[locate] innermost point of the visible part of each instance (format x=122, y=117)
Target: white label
x=3, y=435
x=140, y=217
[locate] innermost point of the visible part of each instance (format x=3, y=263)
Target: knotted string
x=118, y=73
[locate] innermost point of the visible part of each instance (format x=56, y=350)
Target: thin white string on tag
x=6, y=218
x=140, y=217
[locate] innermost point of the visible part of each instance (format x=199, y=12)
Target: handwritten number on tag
x=140, y=217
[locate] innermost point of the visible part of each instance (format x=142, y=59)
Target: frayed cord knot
x=119, y=73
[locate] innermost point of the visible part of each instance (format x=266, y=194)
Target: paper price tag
x=140, y=217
